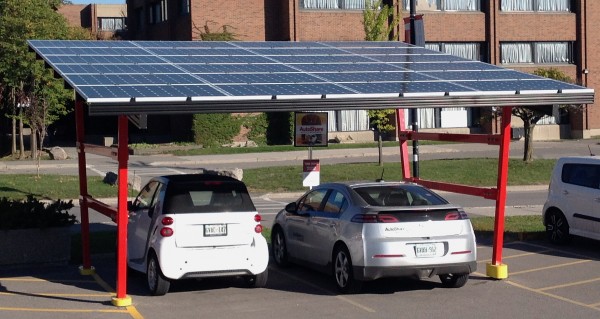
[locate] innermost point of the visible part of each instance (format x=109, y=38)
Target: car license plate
x=426, y=250
x=215, y=230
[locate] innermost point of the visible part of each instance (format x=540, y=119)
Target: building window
x=158, y=12
x=468, y=50
x=348, y=121
x=536, y=52
x=111, y=24
x=333, y=4
x=184, y=7
x=444, y=5
x=536, y=5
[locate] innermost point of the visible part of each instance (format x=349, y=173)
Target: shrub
x=215, y=129
x=32, y=213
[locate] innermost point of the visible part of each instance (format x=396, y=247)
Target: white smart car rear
x=196, y=226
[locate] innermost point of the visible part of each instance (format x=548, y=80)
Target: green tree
x=379, y=23
x=31, y=94
x=532, y=115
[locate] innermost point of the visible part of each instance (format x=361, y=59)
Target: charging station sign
x=311, y=172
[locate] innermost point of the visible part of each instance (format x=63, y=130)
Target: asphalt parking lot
x=544, y=281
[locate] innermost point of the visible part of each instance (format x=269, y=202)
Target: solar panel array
x=195, y=72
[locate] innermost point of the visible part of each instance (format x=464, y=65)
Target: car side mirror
x=291, y=208
x=130, y=206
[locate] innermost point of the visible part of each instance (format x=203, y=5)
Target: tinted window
x=586, y=175
x=207, y=197
x=399, y=195
x=146, y=197
x=312, y=201
x=336, y=202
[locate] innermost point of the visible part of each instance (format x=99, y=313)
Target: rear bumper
x=421, y=271
x=179, y=263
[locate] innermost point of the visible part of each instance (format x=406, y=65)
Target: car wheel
x=158, y=284
x=343, y=272
x=258, y=280
x=279, y=248
x=557, y=227
x=453, y=280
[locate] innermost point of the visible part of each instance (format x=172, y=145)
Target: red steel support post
x=121, y=298
x=403, y=144
x=86, y=268
x=496, y=269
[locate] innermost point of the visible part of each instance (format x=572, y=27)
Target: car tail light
x=373, y=218
x=258, y=229
x=456, y=215
x=166, y=231
x=257, y=218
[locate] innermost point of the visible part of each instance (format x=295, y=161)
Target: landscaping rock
x=133, y=181
x=57, y=153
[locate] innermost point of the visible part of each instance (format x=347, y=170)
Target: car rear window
x=207, y=197
x=399, y=195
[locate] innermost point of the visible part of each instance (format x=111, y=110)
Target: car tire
x=158, y=284
x=557, y=227
x=278, y=244
x=343, y=272
x=453, y=280
x=258, y=280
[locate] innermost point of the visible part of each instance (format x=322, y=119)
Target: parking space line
x=48, y=294
x=550, y=267
x=566, y=252
x=519, y=255
x=570, y=284
x=551, y=295
x=32, y=279
x=595, y=305
x=342, y=298
x=64, y=310
x=131, y=310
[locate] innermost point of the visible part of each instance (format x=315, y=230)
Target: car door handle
x=597, y=199
x=565, y=192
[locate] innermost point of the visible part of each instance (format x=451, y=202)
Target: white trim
x=361, y=95
x=232, y=98
x=160, y=99
x=477, y=93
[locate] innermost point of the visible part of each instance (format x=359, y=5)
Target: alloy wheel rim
x=278, y=247
x=341, y=269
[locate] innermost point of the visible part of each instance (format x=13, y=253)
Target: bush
x=32, y=213
x=215, y=129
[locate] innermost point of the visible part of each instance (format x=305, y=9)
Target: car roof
x=198, y=177
x=579, y=159
x=353, y=184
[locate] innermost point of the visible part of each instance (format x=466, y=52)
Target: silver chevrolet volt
x=364, y=231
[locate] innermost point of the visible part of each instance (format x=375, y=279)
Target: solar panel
x=127, y=77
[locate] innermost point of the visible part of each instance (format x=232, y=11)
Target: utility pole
x=414, y=114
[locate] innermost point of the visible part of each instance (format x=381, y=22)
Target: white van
x=573, y=204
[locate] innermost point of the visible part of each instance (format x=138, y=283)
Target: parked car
x=195, y=226
x=573, y=204
x=365, y=231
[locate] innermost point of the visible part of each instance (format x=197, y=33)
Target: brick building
x=105, y=21
x=519, y=34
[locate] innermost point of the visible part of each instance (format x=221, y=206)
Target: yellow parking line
x=549, y=267
x=31, y=279
x=570, y=284
x=63, y=310
x=519, y=255
x=131, y=310
x=595, y=305
x=59, y=295
x=551, y=295
x=566, y=252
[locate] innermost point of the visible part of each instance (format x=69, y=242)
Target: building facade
x=519, y=34
x=105, y=21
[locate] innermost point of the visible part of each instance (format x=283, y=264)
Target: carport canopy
x=130, y=78
x=174, y=77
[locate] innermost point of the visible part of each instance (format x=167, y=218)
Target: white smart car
x=195, y=226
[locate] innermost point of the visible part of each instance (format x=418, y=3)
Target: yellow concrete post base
x=87, y=272
x=121, y=302
x=497, y=271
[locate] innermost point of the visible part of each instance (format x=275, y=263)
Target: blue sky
x=98, y=1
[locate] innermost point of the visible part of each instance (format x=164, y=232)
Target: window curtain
x=554, y=5
x=353, y=120
x=433, y=46
x=516, y=5
x=319, y=4
x=551, y=52
x=516, y=53
x=331, y=121
x=421, y=3
x=460, y=5
x=110, y=24
x=464, y=50
x=551, y=119
x=353, y=4
x=426, y=117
